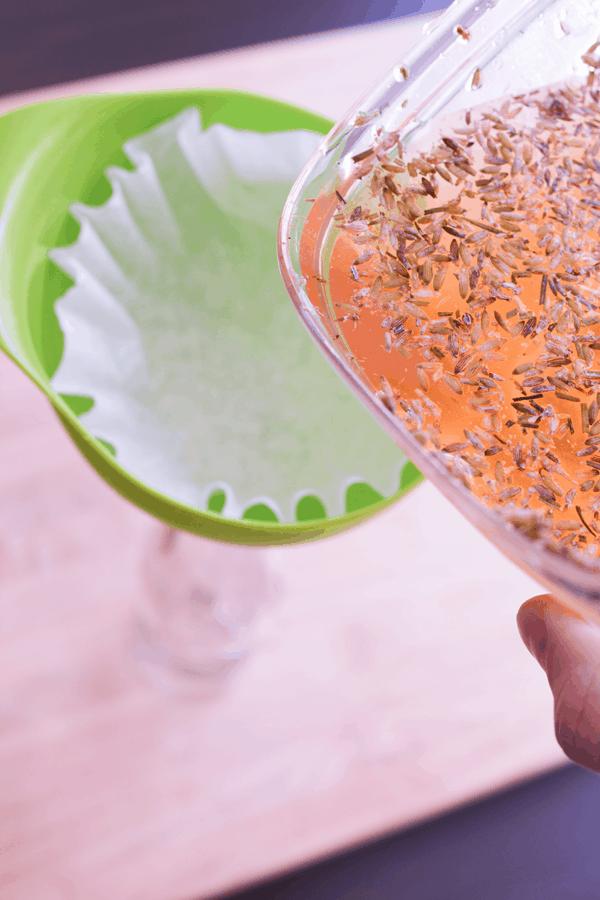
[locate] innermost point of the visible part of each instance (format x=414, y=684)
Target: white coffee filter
x=180, y=329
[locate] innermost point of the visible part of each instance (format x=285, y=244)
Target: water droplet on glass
x=559, y=31
x=572, y=20
x=401, y=73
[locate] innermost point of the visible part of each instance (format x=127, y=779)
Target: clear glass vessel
x=475, y=53
x=194, y=625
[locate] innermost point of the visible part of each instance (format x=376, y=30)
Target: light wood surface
x=387, y=681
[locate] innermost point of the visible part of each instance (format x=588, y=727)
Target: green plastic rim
x=55, y=153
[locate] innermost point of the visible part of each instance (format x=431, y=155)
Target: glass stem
x=200, y=599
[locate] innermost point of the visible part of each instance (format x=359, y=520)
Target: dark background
x=540, y=841
x=44, y=42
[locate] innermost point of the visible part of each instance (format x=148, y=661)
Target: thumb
x=567, y=647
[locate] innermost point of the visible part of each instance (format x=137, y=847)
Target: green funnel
x=54, y=154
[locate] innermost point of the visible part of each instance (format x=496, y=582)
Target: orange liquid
x=524, y=291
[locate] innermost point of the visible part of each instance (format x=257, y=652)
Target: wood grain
x=386, y=683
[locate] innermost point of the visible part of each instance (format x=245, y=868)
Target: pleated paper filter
x=179, y=328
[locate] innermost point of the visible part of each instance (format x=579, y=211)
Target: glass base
x=173, y=674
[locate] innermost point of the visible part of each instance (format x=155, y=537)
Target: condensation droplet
x=572, y=20
x=559, y=31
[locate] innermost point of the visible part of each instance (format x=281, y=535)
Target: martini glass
x=476, y=52
x=205, y=574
